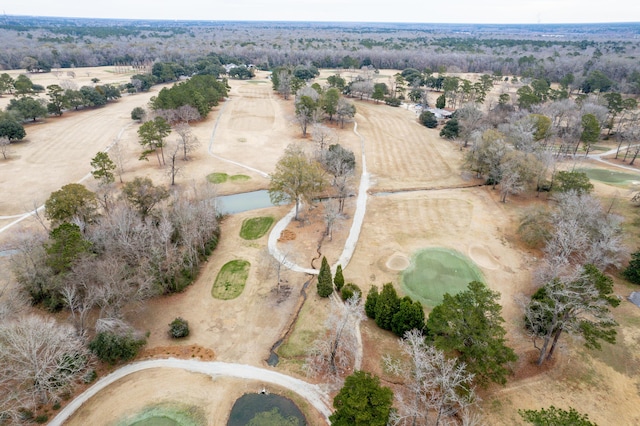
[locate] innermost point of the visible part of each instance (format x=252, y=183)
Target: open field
x=439, y=210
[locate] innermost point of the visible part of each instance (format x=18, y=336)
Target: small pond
x=436, y=271
x=238, y=203
x=258, y=409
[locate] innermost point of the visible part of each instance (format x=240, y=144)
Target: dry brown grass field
x=253, y=127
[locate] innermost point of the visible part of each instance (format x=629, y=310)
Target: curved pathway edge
x=312, y=393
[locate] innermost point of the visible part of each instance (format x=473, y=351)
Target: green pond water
x=156, y=421
x=270, y=409
x=611, y=177
x=436, y=271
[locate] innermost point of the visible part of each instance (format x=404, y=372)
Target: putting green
x=436, y=271
x=611, y=177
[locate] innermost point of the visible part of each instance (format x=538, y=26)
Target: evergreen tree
x=386, y=306
x=632, y=273
x=325, y=282
x=362, y=402
x=409, y=316
x=370, y=304
x=555, y=417
x=338, y=280
x=450, y=130
x=469, y=326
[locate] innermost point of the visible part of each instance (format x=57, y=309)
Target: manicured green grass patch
x=610, y=176
x=436, y=271
x=223, y=177
x=217, y=177
x=239, y=178
x=256, y=227
x=231, y=280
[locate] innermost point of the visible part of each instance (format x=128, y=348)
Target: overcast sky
x=426, y=11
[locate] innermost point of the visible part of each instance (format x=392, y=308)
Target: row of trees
x=511, y=51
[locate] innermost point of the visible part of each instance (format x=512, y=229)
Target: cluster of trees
x=392, y=313
x=300, y=177
x=106, y=257
x=467, y=326
x=520, y=149
x=101, y=253
x=461, y=345
x=581, y=239
x=502, y=51
x=201, y=92
x=25, y=107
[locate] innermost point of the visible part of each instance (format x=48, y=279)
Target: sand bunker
x=398, y=262
x=483, y=257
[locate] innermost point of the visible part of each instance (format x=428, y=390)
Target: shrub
x=112, y=348
x=137, y=113
x=349, y=290
x=89, y=377
x=42, y=419
x=428, y=119
x=394, y=102
x=179, y=328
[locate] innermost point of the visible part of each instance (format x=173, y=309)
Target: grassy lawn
x=256, y=227
x=217, y=177
x=231, y=280
x=436, y=271
x=239, y=178
x=611, y=177
x=223, y=177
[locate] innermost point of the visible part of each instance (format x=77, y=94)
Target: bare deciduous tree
x=436, y=390
x=333, y=354
x=39, y=360
x=188, y=142
x=323, y=136
x=4, y=147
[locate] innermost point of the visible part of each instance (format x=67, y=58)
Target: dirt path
x=312, y=393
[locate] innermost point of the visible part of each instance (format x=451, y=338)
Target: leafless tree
x=331, y=215
x=333, y=354
x=274, y=265
x=582, y=233
x=5, y=148
x=117, y=153
x=470, y=119
x=173, y=169
x=323, y=136
x=39, y=360
x=187, y=113
x=436, y=389
x=345, y=111
x=188, y=142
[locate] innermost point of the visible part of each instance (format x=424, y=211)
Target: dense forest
x=536, y=51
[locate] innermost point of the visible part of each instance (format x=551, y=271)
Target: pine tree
x=338, y=280
x=325, y=281
x=386, y=307
x=370, y=304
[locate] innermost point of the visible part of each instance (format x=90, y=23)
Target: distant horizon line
x=320, y=21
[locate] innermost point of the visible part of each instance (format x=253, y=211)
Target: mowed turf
x=611, y=177
x=256, y=227
x=436, y=271
x=231, y=280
